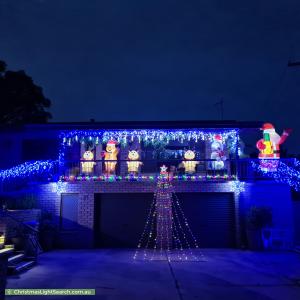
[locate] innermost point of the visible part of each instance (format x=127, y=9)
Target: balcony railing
x=248, y=169
x=241, y=169
x=208, y=167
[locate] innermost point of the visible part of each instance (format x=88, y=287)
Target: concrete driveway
x=227, y=274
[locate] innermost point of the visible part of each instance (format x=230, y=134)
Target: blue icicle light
x=123, y=136
x=29, y=170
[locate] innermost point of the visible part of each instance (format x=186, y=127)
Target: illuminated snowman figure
x=189, y=163
x=134, y=164
x=87, y=166
x=217, y=153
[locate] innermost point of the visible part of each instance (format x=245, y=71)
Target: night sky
x=159, y=60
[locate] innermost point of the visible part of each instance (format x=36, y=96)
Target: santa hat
x=112, y=142
x=218, y=137
x=267, y=126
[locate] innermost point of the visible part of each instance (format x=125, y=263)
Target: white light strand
x=59, y=187
x=144, y=135
x=149, y=219
x=237, y=186
x=186, y=221
x=169, y=231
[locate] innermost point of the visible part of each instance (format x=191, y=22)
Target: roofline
x=149, y=124
x=183, y=124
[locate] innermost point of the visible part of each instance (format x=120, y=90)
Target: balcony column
x=99, y=167
x=123, y=154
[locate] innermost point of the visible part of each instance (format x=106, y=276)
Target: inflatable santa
x=269, y=145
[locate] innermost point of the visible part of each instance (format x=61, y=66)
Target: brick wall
x=261, y=193
x=50, y=200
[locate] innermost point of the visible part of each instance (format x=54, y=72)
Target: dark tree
x=21, y=100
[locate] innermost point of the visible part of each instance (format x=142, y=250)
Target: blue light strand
x=296, y=164
x=29, y=170
x=149, y=135
x=283, y=174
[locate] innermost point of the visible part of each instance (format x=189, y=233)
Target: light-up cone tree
x=167, y=234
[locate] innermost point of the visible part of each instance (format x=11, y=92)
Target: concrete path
x=227, y=274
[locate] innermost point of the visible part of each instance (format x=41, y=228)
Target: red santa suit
x=275, y=141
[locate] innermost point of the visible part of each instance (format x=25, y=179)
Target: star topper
x=163, y=169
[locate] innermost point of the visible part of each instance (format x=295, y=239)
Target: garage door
x=211, y=217
x=120, y=218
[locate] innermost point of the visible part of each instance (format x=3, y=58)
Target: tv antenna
x=295, y=63
x=220, y=105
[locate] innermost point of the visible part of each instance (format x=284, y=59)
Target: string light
x=283, y=173
x=167, y=234
x=113, y=178
x=237, y=186
x=59, y=187
x=36, y=169
x=150, y=220
x=296, y=163
x=148, y=135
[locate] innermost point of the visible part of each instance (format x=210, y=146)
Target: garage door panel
x=120, y=218
x=211, y=217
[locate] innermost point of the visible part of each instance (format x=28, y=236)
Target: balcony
x=199, y=170
x=143, y=169
x=35, y=172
